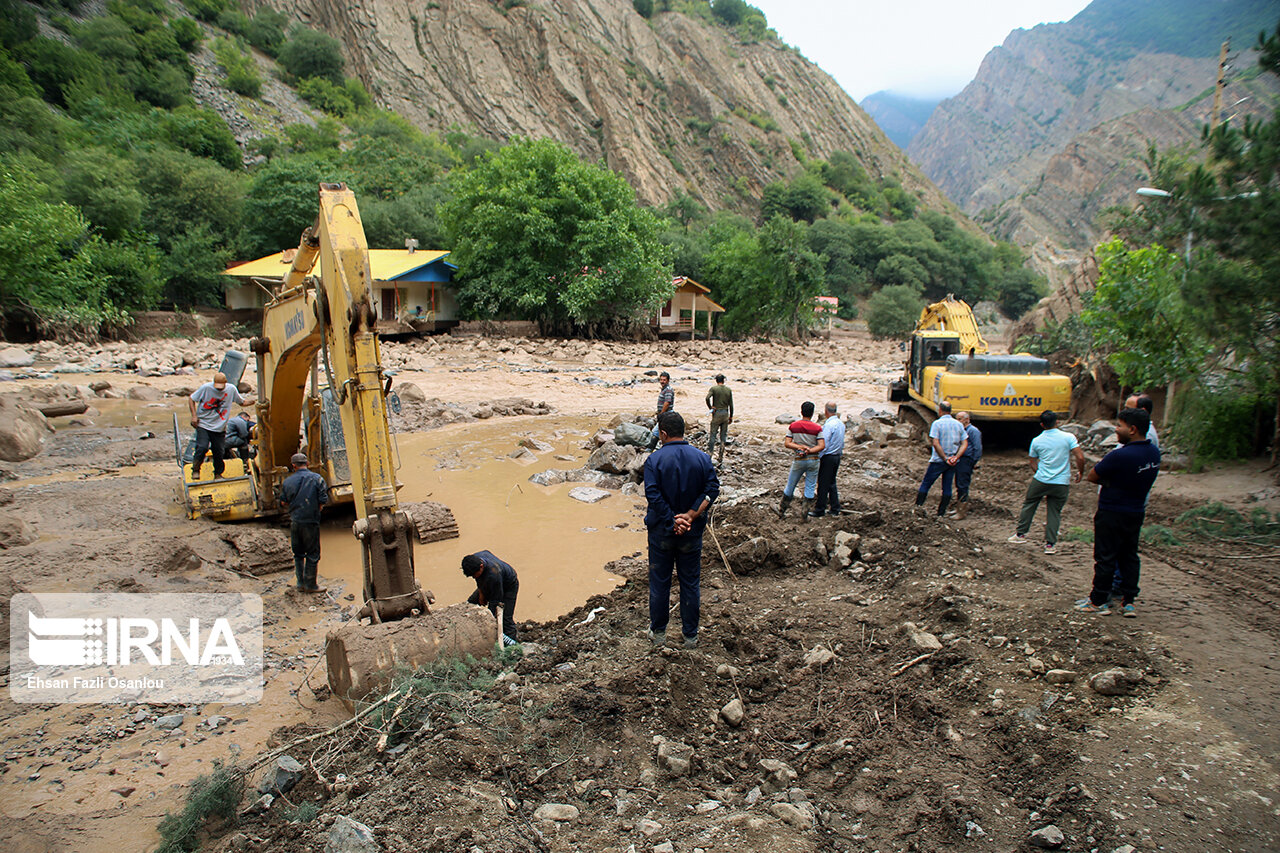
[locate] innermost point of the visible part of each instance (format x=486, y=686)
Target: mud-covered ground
x=843, y=743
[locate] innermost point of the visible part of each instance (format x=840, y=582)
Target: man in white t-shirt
x=210, y=405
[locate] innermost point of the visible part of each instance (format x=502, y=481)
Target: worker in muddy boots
x=949, y=441
x=303, y=493
x=1052, y=455
x=210, y=404
x=680, y=483
x=830, y=451
x=720, y=402
x=1126, y=476
x=802, y=440
x=238, y=437
x=666, y=403
x=966, y=464
x=496, y=583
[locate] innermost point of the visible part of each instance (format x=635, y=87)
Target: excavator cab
x=931, y=349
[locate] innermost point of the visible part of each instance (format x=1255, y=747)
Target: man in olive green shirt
x=720, y=402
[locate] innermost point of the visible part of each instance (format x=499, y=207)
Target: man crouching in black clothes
x=496, y=583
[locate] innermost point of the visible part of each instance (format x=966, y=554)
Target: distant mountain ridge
x=1054, y=126
x=672, y=102
x=900, y=116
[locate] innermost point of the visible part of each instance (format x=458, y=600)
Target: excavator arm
x=332, y=317
x=954, y=315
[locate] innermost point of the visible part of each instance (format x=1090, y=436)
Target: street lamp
x=1152, y=192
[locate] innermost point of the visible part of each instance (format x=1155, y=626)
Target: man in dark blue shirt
x=496, y=583
x=303, y=493
x=966, y=463
x=680, y=483
x=1126, y=475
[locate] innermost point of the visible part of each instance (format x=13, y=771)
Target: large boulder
x=612, y=458
x=631, y=434
x=410, y=393
x=15, y=357
x=23, y=430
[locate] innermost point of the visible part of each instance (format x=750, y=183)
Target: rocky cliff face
x=653, y=99
x=1054, y=129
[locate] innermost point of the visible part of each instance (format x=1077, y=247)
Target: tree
x=1138, y=318
x=308, y=53
x=539, y=234
x=796, y=272
x=893, y=311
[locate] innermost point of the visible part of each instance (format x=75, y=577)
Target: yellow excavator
x=328, y=324
x=948, y=359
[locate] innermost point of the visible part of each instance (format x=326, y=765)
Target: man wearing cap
x=303, y=493
x=496, y=583
x=210, y=405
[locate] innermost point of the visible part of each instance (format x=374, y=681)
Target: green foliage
x=242, y=71
x=208, y=10
x=1137, y=316
x=1077, y=534
x=1224, y=422
x=308, y=53
x=540, y=234
x=1158, y=534
x=266, y=30
x=212, y=796
x=17, y=23
x=643, y=7
x=186, y=33
x=340, y=101
x=1215, y=520
x=764, y=122
x=234, y=21
x=893, y=311
x=306, y=812
x=105, y=189
x=1070, y=335
x=282, y=201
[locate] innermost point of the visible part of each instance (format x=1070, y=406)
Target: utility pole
x=1216, y=116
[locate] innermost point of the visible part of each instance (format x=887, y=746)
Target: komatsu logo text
x=294, y=324
x=1010, y=401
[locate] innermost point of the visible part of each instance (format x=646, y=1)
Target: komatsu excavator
x=328, y=324
x=948, y=359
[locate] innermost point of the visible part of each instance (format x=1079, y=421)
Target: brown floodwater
x=556, y=544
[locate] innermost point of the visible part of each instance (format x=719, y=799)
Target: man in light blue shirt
x=1052, y=455
x=949, y=441
x=830, y=450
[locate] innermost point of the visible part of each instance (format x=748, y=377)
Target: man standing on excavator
x=210, y=404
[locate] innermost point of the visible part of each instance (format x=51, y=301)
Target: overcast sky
x=925, y=48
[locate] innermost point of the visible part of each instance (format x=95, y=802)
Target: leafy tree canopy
x=540, y=234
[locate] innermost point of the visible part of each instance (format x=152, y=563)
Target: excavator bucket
x=231, y=497
x=360, y=658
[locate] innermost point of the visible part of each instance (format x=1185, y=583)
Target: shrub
x=186, y=33
x=207, y=10
x=213, y=795
x=308, y=53
x=893, y=311
x=242, y=71
x=234, y=21
x=643, y=7
x=266, y=31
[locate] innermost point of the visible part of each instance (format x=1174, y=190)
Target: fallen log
x=60, y=408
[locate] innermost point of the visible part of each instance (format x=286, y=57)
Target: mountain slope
x=673, y=103
x=1054, y=126
x=900, y=116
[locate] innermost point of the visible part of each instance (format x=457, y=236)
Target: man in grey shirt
x=210, y=405
x=239, y=434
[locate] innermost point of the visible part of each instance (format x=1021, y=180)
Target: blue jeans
x=684, y=555
x=806, y=468
x=936, y=469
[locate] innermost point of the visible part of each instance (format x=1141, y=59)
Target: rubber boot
x=782, y=507
x=962, y=509
x=805, y=508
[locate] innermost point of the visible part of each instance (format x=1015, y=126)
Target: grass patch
x=213, y=796
x=1077, y=534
